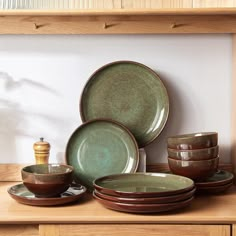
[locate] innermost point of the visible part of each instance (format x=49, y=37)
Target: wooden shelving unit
x=214, y=215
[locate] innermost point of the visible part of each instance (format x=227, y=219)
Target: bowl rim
x=197, y=161
x=193, y=150
x=192, y=135
x=71, y=169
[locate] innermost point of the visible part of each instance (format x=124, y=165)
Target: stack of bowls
x=144, y=192
x=194, y=155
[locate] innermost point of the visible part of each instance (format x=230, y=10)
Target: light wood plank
x=210, y=209
x=140, y=230
x=233, y=230
x=50, y=230
x=19, y=230
x=11, y=172
x=213, y=3
x=120, y=12
x=117, y=25
x=233, y=104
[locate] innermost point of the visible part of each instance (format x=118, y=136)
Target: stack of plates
x=144, y=192
x=218, y=183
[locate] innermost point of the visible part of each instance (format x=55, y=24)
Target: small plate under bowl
x=143, y=184
x=143, y=208
x=214, y=189
x=221, y=177
x=22, y=195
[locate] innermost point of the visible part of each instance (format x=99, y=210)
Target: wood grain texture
x=142, y=229
x=50, y=230
x=19, y=230
x=233, y=230
x=117, y=25
x=119, y=12
x=11, y=172
x=213, y=3
x=205, y=209
x=233, y=104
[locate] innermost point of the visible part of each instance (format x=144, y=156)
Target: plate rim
x=110, y=121
x=141, y=194
x=144, y=144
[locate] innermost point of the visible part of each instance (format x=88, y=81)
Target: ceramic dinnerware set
x=197, y=156
x=47, y=185
x=144, y=193
x=124, y=106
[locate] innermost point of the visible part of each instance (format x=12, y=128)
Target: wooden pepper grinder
x=41, y=151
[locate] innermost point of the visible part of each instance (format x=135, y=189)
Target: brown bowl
x=193, y=141
x=196, y=170
x=47, y=180
x=194, y=155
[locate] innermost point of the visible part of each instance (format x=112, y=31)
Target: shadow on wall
x=11, y=84
x=158, y=148
x=15, y=121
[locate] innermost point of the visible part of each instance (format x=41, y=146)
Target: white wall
x=41, y=79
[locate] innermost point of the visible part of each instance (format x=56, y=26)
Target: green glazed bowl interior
x=47, y=169
x=143, y=184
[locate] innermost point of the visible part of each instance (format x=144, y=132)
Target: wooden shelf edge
x=121, y=12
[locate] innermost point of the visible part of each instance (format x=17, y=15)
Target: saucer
x=221, y=177
x=22, y=195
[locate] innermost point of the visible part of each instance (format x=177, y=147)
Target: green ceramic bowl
x=195, y=170
x=193, y=155
x=47, y=180
x=193, y=141
x=143, y=185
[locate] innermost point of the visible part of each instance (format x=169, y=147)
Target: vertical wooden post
x=233, y=105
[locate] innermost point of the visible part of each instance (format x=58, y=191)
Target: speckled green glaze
x=130, y=93
x=143, y=184
x=101, y=147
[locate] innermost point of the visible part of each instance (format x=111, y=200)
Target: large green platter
x=143, y=184
x=101, y=147
x=130, y=93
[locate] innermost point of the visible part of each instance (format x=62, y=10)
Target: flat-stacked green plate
x=101, y=147
x=130, y=93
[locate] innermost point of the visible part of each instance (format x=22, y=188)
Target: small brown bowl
x=196, y=170
x=194, y=155
x=47, y=180
x=193, y=141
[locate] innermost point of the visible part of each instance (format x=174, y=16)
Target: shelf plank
x=117, y=24
x=120, y=12
x=205, y=209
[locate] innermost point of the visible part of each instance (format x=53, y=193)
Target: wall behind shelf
x=41, y=79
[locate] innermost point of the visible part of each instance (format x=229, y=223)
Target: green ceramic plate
x=221, y=177
x=101, y=147
x=130, y=93
x=143, y=184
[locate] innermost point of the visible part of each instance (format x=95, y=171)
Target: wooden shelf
x=118, y=21
x=204, y=209
x=121, y=12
